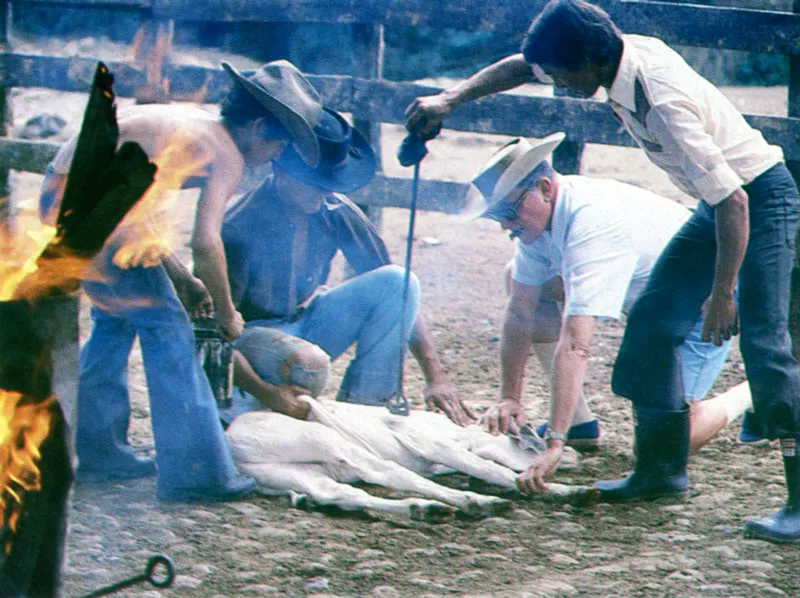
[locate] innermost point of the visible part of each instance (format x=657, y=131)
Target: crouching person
x=585, y=249
x=279, y=241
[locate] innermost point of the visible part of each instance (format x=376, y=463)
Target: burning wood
x=103, y=184
x=47, y=263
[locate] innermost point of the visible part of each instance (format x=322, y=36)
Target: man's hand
x=720, y=319
x=444, y=397
x=427, y=112
x=292, y=400
x=231, y=325
x=502, y=416
x=195, y=298
x=531, y=481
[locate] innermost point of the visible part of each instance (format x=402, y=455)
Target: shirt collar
x=623, y=89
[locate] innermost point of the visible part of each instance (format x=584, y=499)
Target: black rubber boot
x=782, y=527
x=662, y=451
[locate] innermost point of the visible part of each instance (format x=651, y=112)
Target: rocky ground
x=262, y=546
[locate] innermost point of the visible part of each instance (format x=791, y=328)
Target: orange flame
x=23, y=428
x=150, y=229
x=156, y=88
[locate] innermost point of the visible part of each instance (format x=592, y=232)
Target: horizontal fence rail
x=375, y=100
x=691, y=25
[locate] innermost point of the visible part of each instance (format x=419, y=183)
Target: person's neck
x=608, y=73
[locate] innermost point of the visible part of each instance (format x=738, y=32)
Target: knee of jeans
x=309, y=367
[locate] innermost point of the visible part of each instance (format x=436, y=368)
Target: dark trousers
x=647, y=370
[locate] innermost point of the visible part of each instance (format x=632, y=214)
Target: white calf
x=347, y=443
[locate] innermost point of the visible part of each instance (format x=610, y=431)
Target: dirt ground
x=262, y=546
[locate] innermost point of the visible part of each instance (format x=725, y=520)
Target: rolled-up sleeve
x=681, y=132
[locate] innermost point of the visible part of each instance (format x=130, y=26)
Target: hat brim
x=304, y=140
x=478, y=206
x=351, y=174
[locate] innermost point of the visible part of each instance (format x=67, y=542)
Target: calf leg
x=389, y=474
x=458, y=459
x=274, y=479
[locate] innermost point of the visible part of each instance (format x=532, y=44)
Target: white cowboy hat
x=506, y=169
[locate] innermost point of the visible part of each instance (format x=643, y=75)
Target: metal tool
x=412, y=150
x=216, y=355
x=528, y=439
x=151, y=574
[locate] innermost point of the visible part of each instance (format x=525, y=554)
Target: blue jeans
x=365, y=310
x=191, y=451
x=647, y=368
x=700, y=363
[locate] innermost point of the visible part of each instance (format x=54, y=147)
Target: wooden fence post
x=794, y=168
x=368, y=64
x=6, y=115
x=567, y=156
x=154, y=51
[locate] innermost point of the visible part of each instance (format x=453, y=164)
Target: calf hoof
x=480, y=507
x=500, y=506
x=431, y=512
x=300, y=501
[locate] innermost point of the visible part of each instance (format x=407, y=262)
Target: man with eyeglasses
x=585, y=248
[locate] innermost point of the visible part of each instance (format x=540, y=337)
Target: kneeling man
x=279, y=242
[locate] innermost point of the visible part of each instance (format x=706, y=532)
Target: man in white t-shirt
x=585, y=250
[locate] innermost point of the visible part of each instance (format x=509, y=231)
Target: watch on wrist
x=549, y=434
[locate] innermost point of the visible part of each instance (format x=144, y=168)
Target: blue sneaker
x=583, y=437
x=748, y=434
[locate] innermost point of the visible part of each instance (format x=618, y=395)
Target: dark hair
x=240, y=107
x=568, y=34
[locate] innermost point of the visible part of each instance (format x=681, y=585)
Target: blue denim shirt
x=269, y=279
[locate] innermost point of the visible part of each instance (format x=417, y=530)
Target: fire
x=150, y=229
x=156, y=87
x=23, y=428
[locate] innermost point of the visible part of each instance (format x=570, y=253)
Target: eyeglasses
x=503, y=210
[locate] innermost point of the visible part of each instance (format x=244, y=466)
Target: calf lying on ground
x=345, y=443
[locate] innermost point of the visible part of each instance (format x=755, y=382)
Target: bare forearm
x=569, y=369
x=505, y=74
x=211, y=268
x=731, y=219
x=424, y=351
x=515, y=344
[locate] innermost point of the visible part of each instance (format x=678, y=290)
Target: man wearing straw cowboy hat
x=263, y=113
x=585, y=248
x=280, y=240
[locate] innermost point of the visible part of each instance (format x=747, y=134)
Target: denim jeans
x=365, y=310
x=191, y=451
x=647, y=369
x=700, y=363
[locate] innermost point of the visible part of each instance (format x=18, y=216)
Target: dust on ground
x=263, y=547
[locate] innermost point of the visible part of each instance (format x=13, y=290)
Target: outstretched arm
x=515, y=345
x=569, y=368
x=207, y=249
x=440, y=393
x=508, y=73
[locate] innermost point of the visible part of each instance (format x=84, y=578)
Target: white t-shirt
x=604, y=239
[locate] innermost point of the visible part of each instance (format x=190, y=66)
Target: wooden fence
x=372, y=100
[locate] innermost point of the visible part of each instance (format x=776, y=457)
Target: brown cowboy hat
x=347, y=162
x=288, y=95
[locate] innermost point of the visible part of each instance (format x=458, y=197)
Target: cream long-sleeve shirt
x=685, y=124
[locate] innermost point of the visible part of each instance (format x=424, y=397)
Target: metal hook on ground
x=160, y=579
